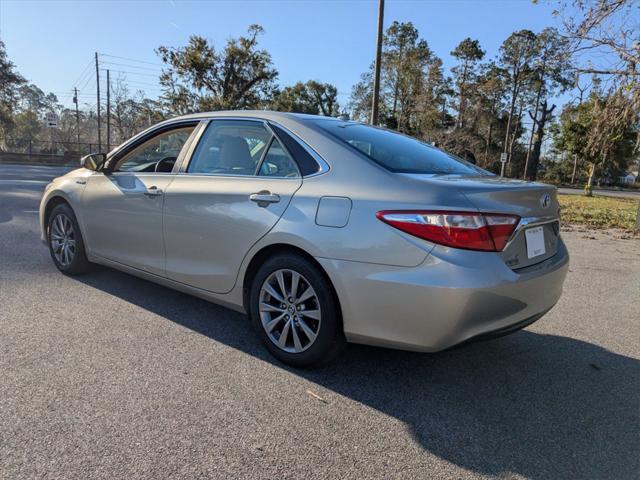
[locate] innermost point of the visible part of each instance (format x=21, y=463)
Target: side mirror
x=93, y=161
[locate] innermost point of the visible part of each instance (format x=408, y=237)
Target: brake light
x=468, y=230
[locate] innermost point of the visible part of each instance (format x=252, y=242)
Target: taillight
x=468, y=230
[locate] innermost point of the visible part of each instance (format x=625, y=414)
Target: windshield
x=396, y=152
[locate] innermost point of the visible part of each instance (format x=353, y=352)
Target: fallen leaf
x=316, y=396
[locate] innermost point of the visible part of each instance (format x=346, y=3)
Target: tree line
x=482, y=109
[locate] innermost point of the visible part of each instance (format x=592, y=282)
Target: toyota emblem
x=545, y=200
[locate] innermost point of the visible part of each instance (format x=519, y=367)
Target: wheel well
x=51, y=204
x=261, y=256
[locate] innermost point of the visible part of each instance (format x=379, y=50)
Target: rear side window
x=396, y=152
x=308, y=166
x=277, y=163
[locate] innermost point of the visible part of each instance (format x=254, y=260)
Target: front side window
x=396, y=152
x=158, y=154
x=230, y=147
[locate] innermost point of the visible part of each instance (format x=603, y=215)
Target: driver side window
x=157, y=154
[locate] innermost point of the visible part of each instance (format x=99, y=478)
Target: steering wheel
x=165, y=164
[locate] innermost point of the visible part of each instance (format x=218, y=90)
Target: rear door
x=236, y=186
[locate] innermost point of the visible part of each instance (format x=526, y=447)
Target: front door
x=236, y=186
x=123, y=208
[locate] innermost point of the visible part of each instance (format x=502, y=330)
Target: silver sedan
x=324, y=231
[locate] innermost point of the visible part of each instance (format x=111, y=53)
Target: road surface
x=605, y=193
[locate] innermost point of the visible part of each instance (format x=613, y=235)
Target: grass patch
x=599, y=212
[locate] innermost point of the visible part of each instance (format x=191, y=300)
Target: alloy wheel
x=62, y=239
x=289, y=311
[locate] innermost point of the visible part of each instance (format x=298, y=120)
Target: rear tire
x=66, y=245
x=301, y=327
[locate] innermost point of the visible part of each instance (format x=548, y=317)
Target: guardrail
x=40, y=159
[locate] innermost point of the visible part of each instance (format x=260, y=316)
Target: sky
x=52, y=43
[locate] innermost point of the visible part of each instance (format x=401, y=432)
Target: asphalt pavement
x=109, y=376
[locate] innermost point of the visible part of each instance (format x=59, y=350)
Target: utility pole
x=75, y=100
x=98, y=101
x=376, y=78
x=108, y=112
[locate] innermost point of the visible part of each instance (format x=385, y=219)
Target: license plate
x=535, y=242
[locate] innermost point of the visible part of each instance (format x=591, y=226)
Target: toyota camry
x=323, y=231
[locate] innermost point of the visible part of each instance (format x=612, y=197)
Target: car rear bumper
x=453, y=296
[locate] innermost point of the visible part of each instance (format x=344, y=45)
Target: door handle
x=264, y=197
x=153, y=191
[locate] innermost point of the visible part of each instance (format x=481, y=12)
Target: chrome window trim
x=138, y=174
x=203, y=124
x=219, y=175
x=196, y=140
x=527, y=222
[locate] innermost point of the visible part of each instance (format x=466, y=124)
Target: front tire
x=66, y=245
x=295, y=312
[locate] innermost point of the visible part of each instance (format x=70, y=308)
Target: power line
x=133, y=73
x=144, y=87
x=66, y=92
x=139, y=85
x=152, y=69
x=65, y=96
x=84, y=71
x=131, y=59
x=127, y=67
x=89, y=79
x=128, y=81
x=87, y=74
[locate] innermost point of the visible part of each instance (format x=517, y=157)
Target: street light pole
x=376, y=78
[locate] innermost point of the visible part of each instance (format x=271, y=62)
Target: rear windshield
x=397, y=152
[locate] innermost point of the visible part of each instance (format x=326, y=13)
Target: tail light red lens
x=472, y=231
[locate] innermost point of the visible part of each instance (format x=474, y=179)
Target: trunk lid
x=535, y=203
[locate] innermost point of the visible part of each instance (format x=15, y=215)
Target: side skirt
x=166, y=282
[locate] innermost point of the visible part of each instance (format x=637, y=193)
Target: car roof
x=287, y=119
x=261, y=114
